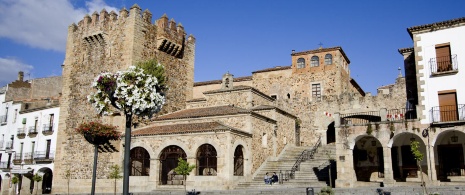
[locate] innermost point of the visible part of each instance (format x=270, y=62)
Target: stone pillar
x=337, y=120
x=431, y=164
x=345, y=161
x=388, y=173
x=383, y=114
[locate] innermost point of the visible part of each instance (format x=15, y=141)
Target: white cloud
x=43, y=23
x=9, y=69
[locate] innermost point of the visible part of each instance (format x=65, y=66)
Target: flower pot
x=96, y=140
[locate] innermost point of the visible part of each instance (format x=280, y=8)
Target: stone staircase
x=310, y=174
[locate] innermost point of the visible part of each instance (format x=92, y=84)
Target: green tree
x=37, y=178
x=415, y=148
x=152, y=67
x=183, y=169
x=14, y=181
x=326, y=191
x=115, y=174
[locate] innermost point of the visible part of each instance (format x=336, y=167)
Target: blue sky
x=239, y=36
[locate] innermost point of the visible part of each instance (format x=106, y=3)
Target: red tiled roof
x=432, y=26
x=404, y=50
x=238, y=79
x=184, y=128
x=204, y=112
x=324, y=50
x=276, y=68
x=268, y=107
x=239, y=88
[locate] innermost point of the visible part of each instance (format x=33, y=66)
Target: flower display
x=97, y=129
x=129, y=91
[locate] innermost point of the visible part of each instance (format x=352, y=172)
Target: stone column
x=432, y=176
x=345, y=161
x=383, y=114
x=388, y=173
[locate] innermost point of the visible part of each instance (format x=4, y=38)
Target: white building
x=28, y=126
x=439, y=66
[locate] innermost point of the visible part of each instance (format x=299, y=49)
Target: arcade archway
x=449, y=151
x=168, y=161
x=368, y=159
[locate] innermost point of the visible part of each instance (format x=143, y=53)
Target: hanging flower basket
x=97, y=133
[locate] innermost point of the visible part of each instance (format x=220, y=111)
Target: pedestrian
x=274, y=178
x=267, y=178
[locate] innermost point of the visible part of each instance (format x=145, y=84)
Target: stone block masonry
x=111, y=42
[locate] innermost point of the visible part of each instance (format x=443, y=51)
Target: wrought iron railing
x=32, y=130
x=401, y=114
x=21, y=132
x=448, y=113
x=3, y=119
x=47, y=129
x=360, y=118
x=9, y=145
x=4, y=165
x=306, y=155
x=443, y=64
x=44, y=155
x=1, y=145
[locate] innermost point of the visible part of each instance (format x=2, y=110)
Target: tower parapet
x=110, y=42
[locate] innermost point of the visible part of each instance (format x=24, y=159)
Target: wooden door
x=443, y=60
x=448, y=106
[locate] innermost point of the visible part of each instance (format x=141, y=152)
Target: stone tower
x=111, y=42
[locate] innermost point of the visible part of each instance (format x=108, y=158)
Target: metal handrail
x=306, y=154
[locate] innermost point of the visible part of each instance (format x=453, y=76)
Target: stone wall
x=111, y=42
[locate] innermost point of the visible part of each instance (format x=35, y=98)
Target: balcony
x=448, y=114
x=32, y=132
x=4, y=165
x=401, y=114
x=44, y=156
x=18, y=159
x=1, y=145
x=27, y=158
x=443, y=65
x=3, y=119
x=9, y=145
x=47, y=130
x=21, y=133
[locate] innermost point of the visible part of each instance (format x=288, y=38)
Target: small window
x=274, y=96
x=316, y=91
x=264, y=140
x=315, y=61
x=328, y=59
x=301, y=63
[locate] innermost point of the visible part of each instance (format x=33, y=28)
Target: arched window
x=300, y=63
x=328, y=59
x=206, y=160
x=140, y=162
x=315, y=61
x=239, y=161
x=169, y=160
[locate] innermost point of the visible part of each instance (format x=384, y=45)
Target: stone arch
x=449, y=154
x=404, y=166
x=140, y=162
x=145, y=146
x=210, y=142
x=168, y=161
x=238, y=161
x=331, y=133
x=169, y=142
x=47, y=179
x=206, y=160
x=368, y=158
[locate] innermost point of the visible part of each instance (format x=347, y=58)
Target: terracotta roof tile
x=204, y=112
x=272, y=69
x=324, y=50
x=447, y=23
x=184, y=128
x=404, y=50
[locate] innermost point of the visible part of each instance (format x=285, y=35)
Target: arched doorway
x=331, y=134
x=239, y=161
x=47, y=180
x=168, y=161
x=140, y=162
x=368, y=159
x=449, y=152
x=206, y=160
x=404, y=165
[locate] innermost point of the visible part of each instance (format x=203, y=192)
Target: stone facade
x=110, y=42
